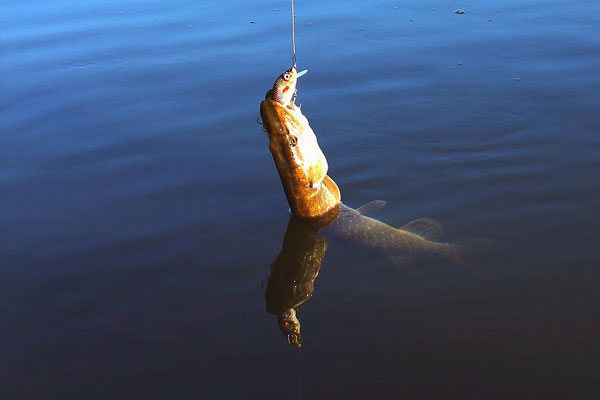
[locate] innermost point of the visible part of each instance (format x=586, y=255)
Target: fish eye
x=293, y=141
x=286, y=76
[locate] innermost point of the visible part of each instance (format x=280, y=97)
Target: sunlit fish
x=284, y=88
x=314, y=196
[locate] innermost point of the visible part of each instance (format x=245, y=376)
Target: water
x=140, y=207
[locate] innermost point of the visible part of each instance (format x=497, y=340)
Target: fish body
x=416, y=239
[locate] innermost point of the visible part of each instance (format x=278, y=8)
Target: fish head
x=301, y=164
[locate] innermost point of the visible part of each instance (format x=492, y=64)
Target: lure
x=284, y=88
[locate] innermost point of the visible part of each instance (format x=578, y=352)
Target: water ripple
x=116, y=20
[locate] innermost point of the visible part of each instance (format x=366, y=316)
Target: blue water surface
x=140, y=208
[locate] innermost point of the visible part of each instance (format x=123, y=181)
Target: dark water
x=140, y=207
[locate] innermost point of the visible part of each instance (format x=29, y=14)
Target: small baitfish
x=284, y=88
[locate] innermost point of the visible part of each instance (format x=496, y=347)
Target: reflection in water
x=295, y=269
x=293, y=274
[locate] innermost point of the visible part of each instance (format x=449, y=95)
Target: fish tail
x=467, y=253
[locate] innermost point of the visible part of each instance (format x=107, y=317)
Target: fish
x=314, y=197
x=284, y=89
x=405, y=246
x=301, y=164
x=315, y=202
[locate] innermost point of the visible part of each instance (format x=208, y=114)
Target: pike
x=315, y=201
x=314, y=197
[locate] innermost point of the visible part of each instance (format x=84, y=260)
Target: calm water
x=140, y=207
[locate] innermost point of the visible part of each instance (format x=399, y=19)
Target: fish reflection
x=293, y=274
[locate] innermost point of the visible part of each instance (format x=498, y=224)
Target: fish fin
x=469, y=252
x=371, y=208
x=426, y=228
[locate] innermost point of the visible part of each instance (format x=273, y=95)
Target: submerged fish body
x=416, y=239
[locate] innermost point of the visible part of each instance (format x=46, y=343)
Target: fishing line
x=298, y=373
x=293, y=35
